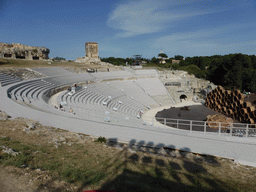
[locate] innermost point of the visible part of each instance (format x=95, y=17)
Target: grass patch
x=21, y=160
x=35, y=63
x=5, y=139
x=72, y=174
x=19, y=63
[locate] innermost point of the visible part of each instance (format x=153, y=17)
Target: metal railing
x=219, y=128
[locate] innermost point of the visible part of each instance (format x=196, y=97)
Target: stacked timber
x=231, y=104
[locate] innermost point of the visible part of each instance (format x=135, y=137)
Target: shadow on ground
x=151, y=170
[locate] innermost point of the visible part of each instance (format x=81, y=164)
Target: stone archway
x=7, y=55
x=20, y=57
x=183, y=97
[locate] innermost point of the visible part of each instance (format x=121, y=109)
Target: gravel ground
x=196, y=112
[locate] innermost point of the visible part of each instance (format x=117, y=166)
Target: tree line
x=233, y=71
x=117, y=61
x=130, y=61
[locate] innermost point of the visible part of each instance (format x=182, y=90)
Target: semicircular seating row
x=6, y=79
x=128, y=101
x=120, y=99
x=30, y=93
x=90, y=99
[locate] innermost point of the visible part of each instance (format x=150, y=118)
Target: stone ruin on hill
x=91, y=54
x=19, y=51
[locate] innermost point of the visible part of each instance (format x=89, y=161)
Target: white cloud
x=204, y=42
x=137, y=18
x=151, y=16
x=199, y=34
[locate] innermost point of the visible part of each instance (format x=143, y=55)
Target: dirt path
x=11, y=181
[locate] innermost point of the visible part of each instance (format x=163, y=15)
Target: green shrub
x=5, y=139
x=58, y=58
x=17, y=161
x=101, y=139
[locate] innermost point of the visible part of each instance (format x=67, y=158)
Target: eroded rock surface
x=21, y=73
x=19, y=51
x=4, y=116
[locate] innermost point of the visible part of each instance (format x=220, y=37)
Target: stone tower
x=91, y=50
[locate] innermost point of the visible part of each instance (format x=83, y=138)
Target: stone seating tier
x=95, y=101
x=152, y=86
x=122, y=98
x=53, y=71
x=8, y=79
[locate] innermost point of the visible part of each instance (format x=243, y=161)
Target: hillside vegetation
x=233, y=71
x=70, y=65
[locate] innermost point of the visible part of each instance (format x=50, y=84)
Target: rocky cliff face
x=19, y=51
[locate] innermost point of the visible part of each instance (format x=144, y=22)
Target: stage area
x=195, y=113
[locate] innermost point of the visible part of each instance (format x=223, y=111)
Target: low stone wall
x=87, y=60
x=49, y=93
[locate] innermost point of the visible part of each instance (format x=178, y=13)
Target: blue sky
x=125, y=28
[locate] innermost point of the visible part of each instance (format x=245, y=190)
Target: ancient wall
x=180, y=84
x=87, y=60
x=19, y=51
